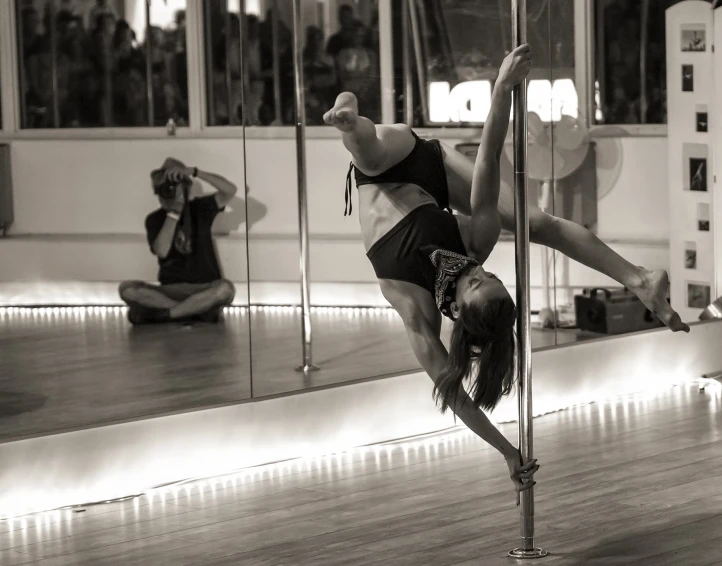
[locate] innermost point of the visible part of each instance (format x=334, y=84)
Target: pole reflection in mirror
x=276, y=55
x=53, y=31
x=408, y=72
x=208, y=41
x=227, y=75
x=527, y=548
x=302, y=195
x=418, y=55
x=149, y=65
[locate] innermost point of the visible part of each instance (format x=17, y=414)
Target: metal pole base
x=528, y=554
x=307, y=368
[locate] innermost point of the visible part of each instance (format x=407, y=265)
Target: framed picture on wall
x=695, y=167
x=698, y=295
x=701, y=118
x=690, y=255
x=694, y=37
x=688, y=78
x=698, y=174
x=703, y=217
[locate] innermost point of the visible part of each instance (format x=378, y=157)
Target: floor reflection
x=72, y=367
x=348, y=344
x=67, y=368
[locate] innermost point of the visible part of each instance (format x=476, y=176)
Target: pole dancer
x=429, y=262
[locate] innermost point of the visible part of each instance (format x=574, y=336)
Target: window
x=340, y=53
x=96, y=63
x=630, y=69
x=443, y=50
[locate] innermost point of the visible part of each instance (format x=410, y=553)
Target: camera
x=167, y=189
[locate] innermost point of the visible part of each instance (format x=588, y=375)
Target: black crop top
x=424, y=248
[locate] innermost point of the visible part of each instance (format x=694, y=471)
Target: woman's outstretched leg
x=374, y=148
x=573, y=240
x=578, y=243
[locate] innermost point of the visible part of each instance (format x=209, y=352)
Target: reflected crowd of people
x=622, y=94
x=347, y=61
x=91, y=71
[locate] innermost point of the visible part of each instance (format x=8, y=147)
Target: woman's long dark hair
x=483, y=347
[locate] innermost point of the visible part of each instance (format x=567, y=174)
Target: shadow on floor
x=673, y=540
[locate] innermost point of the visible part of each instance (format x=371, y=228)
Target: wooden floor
x=634, y=482
x=61, y=371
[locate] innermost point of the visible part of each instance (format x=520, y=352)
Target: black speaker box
x=615, y=311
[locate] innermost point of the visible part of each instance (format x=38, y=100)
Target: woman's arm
x=486, y=179
x=226, y=190
x=431, y=353
x=423, y=325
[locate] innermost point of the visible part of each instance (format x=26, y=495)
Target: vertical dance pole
x=527, y=549
x=302, y=196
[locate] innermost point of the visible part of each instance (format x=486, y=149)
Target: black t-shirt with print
x=199, y=264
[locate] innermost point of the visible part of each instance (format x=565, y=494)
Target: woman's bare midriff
x=383, y=206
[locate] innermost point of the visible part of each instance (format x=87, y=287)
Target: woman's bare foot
x=652, y=291
x=344, y=114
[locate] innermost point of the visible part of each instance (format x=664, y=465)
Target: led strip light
x=314, y=462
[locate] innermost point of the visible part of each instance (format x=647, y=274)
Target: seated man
x=179, y=235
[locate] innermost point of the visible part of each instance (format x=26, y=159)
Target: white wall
x=632, y=188
x=82, y=192
x=102, y=187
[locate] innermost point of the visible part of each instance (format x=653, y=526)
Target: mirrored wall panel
x=124, y=281
x=157, y=247
x=250, y=81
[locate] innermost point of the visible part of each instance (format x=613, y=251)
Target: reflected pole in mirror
x=521, y=212
x=278, y=113
x=644, y=41
x=149, y=65
x=418, y=56
x=227, y=43
x=52, y=16
x=212, y=118
x=408, y=72
x=20, y=19
x=300, y=101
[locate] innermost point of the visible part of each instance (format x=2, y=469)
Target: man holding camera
x=179, y=235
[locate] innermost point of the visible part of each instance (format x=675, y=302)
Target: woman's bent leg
x=573, y=240
x=374, y=148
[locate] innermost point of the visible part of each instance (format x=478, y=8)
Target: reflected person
x=179, y=234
